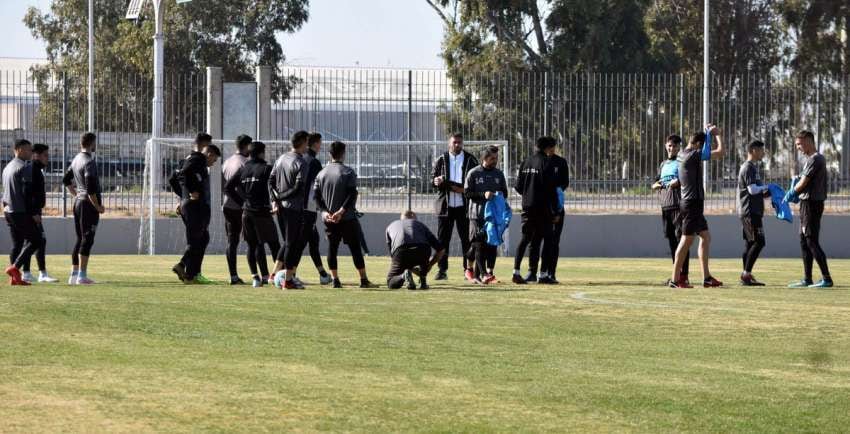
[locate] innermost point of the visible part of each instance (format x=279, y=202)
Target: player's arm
x=470, y=191
x=68, y=181
x=718, y=152
x=439, y=250
x=437, y=174
x=92, y=184
x=296, y=186
x=519, y=185
x=350, y=198
x=192, y=177
x=802, y=184
x=234, y=189
x=321, y=206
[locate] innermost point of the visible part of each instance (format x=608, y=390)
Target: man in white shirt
x=449, y=174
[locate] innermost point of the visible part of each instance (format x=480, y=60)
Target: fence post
x=546, y=119
x=264, y=102
x=682, y=105
x=215, y=123
x=64, y=139
x=817, y=114
x=409, y=134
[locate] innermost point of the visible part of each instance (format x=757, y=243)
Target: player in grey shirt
x=289, y=195
x=811, y=190
x=82, y=180
x=336, y=199
x=231, y=208
x=482, y=183
x=751, y=193
x=19, y=210
x=410, y=243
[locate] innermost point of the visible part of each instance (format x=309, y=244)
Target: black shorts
x=671, y=223
x=693, y=219
x=811, y=212
x=537, y=222
x=753, y=229
x=347, y=231
x=407, y=257
x=292, y=227
x=258, y=228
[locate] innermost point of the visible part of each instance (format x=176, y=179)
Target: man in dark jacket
x=537, y=183
x=39, y=163
x=482, y=183
x=249, y=188
x=194, y=191
x=19, y=211
x=561, y=172
x=288, y=185
x=311, y=213
x=449, y=173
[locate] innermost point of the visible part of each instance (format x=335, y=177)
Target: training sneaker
x=337, y=284
x=256, y=282
x=14, y=273
x=292, y=284
x=72, y=279
x=803, y=283
x=824, y=283
x=180, y=270
x=469, y=275
x=85, y=281
x=366, y=284
x=711, y=282
x=26, y=276
x=201, y=280
x=517, y=279
x=45, y=278
x=325, y=279
x=546, y=280
x=267, y=280
x=408, y=278
x=681, y=284
x=441, y=275
x=750, y=281
x=531, y=277
x=297, y=281
x=236, y=281
x=489, y=279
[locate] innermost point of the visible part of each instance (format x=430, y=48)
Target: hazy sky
x=402, y=33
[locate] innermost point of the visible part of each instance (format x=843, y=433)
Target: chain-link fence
x=612, y=127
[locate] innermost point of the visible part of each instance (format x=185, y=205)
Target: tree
x=233, y=34
x=821, y=29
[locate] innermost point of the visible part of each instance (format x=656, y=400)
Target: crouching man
x=410, y=243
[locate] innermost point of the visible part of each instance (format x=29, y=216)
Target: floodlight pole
x=158, y=116
x=91, y=67
x=705, y=87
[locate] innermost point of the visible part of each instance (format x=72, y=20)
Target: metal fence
x=52, y=109
x=611, y=126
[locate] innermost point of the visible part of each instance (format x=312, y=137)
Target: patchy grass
x=609, y=350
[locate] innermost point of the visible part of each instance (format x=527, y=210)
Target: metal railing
x=611, y=127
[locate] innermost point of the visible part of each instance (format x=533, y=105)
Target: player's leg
x=89, y=219
x=681, y=250
x=543, y=235
x=813, y=242
x=527, y=237
x=17, y=245
x=31, y=240
x=462, y=224
x=233, y=230
x=206, y=215
x=313, y=246
x=249, y=233
x=351, y=236
x=280, y=254
x=398, y=267
x=755, y=242
x=552, y=267
x=75, y=252
x=444, y=234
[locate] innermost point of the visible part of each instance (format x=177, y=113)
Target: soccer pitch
x=610, y=349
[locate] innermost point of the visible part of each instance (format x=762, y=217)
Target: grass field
x=609, y=350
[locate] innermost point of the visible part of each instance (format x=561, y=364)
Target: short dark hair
x=204, y=139
x=674, y=139
x=546, y=142
x=489, y=151
x=87, y=139
x=755, y=144
x=257, y=149
x=299, y=138
x=20, y=143
x=313, y=138
x=337, y=150
x=213, y=149
x=243, y=141
x=456, y=135
x=39, y=148
x=697, y=138
x=409, y=214
x=806, y=134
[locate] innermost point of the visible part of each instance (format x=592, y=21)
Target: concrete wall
x=584, y=236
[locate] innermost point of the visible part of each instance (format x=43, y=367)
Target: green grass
x=610, y=350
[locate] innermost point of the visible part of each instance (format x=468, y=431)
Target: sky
x=399, y=33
